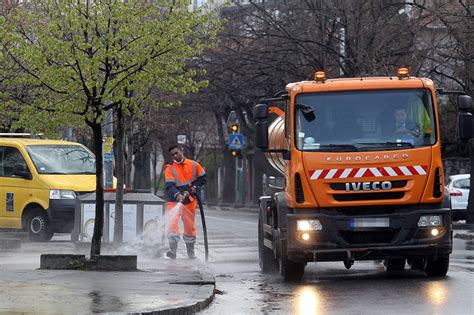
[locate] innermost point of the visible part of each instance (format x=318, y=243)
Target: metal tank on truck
x=363, y=174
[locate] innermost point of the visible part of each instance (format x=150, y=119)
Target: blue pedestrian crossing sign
x=236, y=141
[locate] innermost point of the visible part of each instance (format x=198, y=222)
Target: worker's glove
x=193, y=190
x=180, y=197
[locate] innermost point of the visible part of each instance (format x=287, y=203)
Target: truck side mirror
x=261, y=134
x=464, y=103
x=260, y=111
x=465, y=126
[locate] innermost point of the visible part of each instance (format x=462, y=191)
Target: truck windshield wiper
x=83, y=173
x=388, y=143
x=335, y=147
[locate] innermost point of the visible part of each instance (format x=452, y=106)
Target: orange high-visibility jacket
x=179, y=177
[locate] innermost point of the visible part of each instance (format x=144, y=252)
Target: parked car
x=458, y=187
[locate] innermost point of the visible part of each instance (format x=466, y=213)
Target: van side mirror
x=20, y=171
x=464, y=103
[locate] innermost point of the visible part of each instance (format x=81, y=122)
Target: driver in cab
x=404, y=126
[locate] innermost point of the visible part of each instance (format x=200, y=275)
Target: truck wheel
x=291, y=271
x=268, y=263
x=38, y=227
x=438, y=267
x=394, y=264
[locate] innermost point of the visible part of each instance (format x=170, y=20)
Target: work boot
x=173, y=248
x=190, y=249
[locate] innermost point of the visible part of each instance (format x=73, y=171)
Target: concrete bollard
x=116, y=263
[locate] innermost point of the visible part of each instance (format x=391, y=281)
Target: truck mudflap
x=368, y=237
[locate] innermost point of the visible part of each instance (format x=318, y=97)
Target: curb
x=207, y=280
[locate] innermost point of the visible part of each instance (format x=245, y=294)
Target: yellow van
x=39, y=182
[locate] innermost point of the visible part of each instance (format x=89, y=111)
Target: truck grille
x=395, y=184
x=369, y=196
x=368, y=237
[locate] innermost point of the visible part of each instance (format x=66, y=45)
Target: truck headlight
x=308, y=225
x=430, y=220
x=61, y=194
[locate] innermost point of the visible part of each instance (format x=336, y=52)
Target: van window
x=10, y=158
x=62, y=159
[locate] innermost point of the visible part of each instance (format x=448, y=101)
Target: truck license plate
x=370, y=223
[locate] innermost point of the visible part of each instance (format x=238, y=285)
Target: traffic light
x=234, y=128
x=235, y=153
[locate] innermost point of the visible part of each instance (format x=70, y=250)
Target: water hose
x=204, y=228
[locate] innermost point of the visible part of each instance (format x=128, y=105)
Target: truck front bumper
x=339, y=239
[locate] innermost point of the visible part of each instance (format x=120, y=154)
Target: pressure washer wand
x=204, y=228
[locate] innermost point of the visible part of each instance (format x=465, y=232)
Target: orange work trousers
x=187, y=213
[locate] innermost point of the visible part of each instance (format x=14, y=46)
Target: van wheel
x=38, y=226
x=438, y=267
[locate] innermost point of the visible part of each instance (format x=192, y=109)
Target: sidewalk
x=161, y=286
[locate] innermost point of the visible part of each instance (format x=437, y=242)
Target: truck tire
x=267, y=261
x=38, y=226
x=394, y=264
x=438, y=267
x=291, y=271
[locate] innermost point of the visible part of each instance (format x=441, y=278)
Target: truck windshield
x=62, y=159
x=364, y=120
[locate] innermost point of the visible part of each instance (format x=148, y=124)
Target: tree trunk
x=129, y=160
x=229, y=177
x=228, y=161
x=99, y=204
x=154, y=162
x=120, y=139
x=142, y=178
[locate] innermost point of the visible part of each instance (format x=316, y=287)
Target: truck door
x=14, y=190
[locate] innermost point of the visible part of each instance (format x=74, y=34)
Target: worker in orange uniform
x=183, y=178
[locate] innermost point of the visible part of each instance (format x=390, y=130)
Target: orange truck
x=364, y=180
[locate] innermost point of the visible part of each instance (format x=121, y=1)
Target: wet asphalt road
x=327, y=288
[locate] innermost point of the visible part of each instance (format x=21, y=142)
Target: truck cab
x=363, y=174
